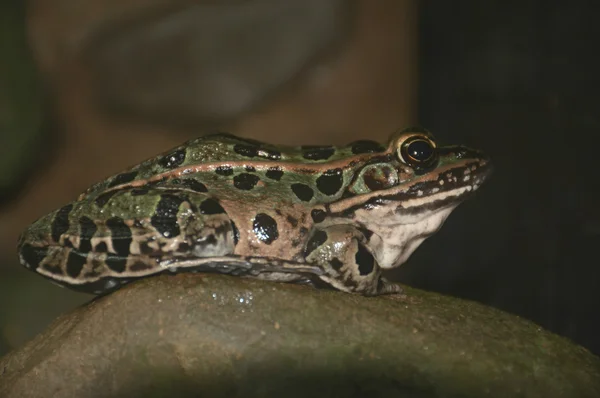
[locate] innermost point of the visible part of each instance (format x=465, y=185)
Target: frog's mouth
x=451, y=187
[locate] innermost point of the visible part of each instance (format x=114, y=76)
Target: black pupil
x=420, y=150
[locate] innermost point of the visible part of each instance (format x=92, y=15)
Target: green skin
x=332, y=216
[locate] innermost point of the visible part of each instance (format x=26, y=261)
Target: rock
x=21, y=100
x=212, y=335
x=183, y=63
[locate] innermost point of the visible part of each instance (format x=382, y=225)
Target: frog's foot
x=347, y=261
x=387, y=287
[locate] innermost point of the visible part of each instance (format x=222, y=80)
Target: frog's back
x=224, y=155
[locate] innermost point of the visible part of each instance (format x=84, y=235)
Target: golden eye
x=418, y=151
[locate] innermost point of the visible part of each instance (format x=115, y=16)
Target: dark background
x=518, y=80
x=523, y=77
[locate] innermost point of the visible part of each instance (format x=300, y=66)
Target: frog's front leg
x=347, y=261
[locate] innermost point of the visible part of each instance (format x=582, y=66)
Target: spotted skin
x=322, y=215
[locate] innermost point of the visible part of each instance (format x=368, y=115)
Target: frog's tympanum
x=321, y=215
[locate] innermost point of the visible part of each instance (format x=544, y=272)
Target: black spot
x=224, y=170
x=194, y=185
x=210, y=239
x=140, y=266
x=330, y=182
x=101, y=247
x=145, y=248
x=123, y=178
x=183, y=247
x=265, y=228
x=303, y=192
x=366, y=232
x=75, y=263
x=165, y=216
x=67, y=243
x=275, y=173
x=245, y=181
x=116, y=262
x=348, y=213
x=102, y=199
x=249, y=151
x=120, y=235
x=336, y=264
x=318, y=215
x=139, y=191
x=293, y=221
x=173, y=159
x=347, y=194
x=318, y=238
x=270, y=154
x=32, y=255
x=87, y=229
x=365, y=260
x=211, y=206
x=250, y=169
x=366, y=146
x=236, y=233
x=60, y=224
x=317, y=152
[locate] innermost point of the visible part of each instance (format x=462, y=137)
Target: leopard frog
x=320, y=215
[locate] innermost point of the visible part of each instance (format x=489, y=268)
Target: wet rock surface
x=211, y=335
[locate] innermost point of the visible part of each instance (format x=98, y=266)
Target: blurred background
x=87, y=89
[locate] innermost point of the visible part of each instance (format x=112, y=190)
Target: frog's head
x=405, y=194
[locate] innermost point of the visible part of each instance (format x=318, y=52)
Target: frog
x=326, y=216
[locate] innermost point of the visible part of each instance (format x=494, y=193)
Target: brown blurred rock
x=310, y=71
x=210, y=335
x=211, y=62
x=189, y=63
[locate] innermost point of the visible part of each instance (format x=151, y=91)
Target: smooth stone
x=210, y=335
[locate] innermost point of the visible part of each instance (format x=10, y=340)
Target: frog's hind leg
x=100, y=242
x=347, y=262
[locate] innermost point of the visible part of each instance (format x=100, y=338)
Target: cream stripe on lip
x=440, y=196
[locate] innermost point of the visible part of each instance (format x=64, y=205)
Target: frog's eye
x=418, y=151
